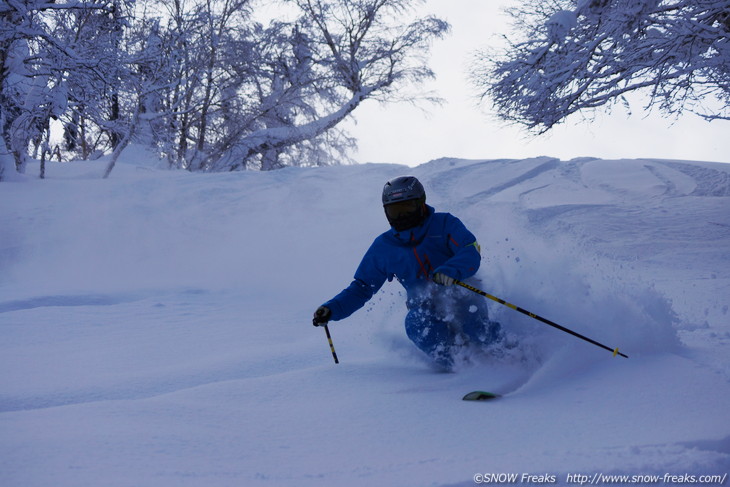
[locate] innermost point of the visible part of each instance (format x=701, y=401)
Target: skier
x=425, y=251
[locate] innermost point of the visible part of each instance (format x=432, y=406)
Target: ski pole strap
x=332, y=346
x=540, y=318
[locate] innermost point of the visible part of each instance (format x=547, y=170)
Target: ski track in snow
x=156, y=327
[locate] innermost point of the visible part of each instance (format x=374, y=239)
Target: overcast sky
x=460, y=128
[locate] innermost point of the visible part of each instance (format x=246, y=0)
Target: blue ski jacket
x=441, y=244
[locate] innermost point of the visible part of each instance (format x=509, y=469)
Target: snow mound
x=157, y=326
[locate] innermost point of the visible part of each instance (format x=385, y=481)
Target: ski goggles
x=402, y=208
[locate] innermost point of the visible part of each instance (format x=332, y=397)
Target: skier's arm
x=369, y=278
x=466, y=259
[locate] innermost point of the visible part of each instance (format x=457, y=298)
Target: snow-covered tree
x=200, y=80
x=337, y=54
x=570, y=56
x=95, y=121
x=200, y=42
x=60, y=60
x=29, y=87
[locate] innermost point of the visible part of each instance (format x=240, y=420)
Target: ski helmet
x=404, y=202
x=403, y=188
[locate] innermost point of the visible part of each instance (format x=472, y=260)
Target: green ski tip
x=480, y=396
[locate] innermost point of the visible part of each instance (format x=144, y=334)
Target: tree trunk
x=122, y=143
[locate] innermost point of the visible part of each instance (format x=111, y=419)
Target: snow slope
x=156, y=327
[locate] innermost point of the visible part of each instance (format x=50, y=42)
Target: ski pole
x=332, y=346
x=540, y=318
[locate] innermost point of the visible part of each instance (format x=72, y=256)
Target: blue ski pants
x=440, y=324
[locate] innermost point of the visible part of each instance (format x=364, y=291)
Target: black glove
x=321, y=316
